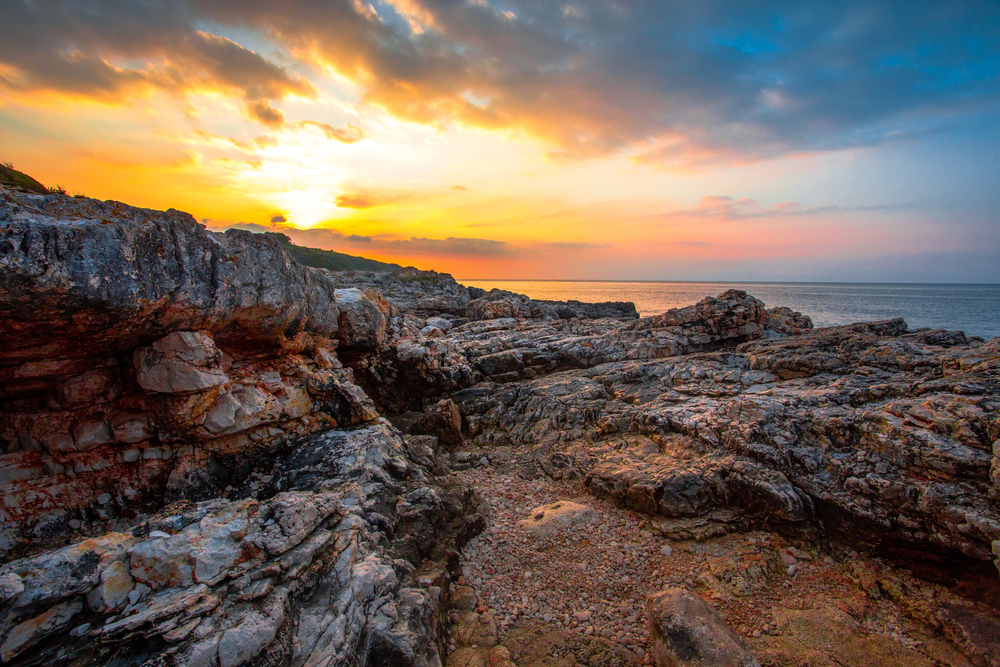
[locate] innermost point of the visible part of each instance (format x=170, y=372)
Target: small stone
x=79, y=630
x=104, y=498
x=666, y=550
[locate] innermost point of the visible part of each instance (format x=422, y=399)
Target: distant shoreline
x=717, y=282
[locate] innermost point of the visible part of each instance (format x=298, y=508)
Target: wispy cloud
x=324, y=237
x=728, y=208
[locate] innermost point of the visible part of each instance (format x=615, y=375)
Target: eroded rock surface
x=198, y=468
x=320, y=567
x=869, y=431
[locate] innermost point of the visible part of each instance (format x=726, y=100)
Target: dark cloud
x=112, y=50
x=683, y=84
x=459, y=187
x=279, y=218
x=263, y=111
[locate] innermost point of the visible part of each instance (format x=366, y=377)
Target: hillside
x=13, y=178
x=320, y=259
x=328, y=259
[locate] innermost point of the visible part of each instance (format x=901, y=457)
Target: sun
x=307, y=208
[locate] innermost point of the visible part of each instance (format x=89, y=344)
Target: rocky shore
x=213, y=455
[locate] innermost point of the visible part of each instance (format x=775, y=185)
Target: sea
x=974, y=309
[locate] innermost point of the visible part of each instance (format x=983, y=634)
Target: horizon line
x=720, y=282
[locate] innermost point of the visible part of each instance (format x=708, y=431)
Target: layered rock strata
x=323, y=566
x=145, y=360
x=142, y=357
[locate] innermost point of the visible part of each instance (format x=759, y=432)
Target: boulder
x=443, y=419
x=784, y=320
x=498, y=303
x=179, y=363
x=439, y=323
x=499, y=363
x=364, y=315
x=685, y=630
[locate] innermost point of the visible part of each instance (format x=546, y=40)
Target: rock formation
x=146, y=360
x=215, y=456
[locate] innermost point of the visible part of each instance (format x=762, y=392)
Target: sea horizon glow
x=837, y=142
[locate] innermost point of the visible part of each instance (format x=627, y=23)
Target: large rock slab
x=81, y=276
x=554, y=518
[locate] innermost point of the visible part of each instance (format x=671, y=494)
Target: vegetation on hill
x=320, y=259
x=13, y=178
x=328, y=259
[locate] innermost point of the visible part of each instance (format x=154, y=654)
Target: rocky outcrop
x=784, y=320
x=867, y=432
x=498, y=303
x=143, y=358
x=418, y=293
x=508, y=348
x=306, y=572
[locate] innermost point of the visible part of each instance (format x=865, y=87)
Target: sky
x=630, y=140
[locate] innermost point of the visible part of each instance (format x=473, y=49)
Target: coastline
x=214, y=455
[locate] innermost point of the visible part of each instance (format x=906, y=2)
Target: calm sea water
x=974, y=309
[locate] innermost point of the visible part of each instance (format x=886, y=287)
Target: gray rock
x=254, y=632
x=180, y=362
x=112, y=593
x=73, y=569
x=18, y=638
x=364, y=316
x=439, y=323
x=83, y=251
x=202, y=553
x=10, y=586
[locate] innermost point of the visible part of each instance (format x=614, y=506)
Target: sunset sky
x=700, y=140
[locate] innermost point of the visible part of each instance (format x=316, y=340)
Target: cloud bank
x=676, y=84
